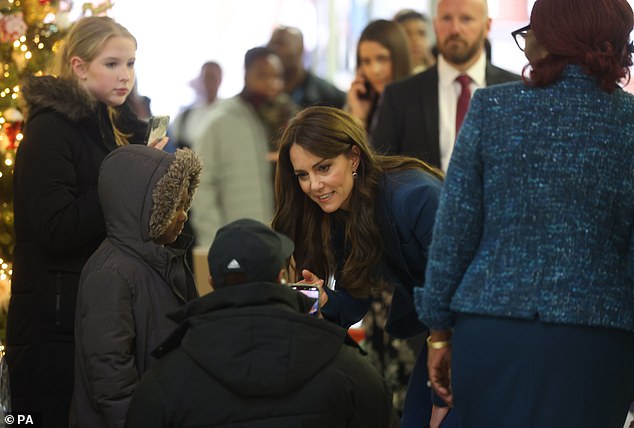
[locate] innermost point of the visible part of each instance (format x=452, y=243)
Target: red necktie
x=463, y=99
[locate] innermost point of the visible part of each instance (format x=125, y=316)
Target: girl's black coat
x=58, y=225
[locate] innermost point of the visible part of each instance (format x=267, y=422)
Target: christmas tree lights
x=29, y=33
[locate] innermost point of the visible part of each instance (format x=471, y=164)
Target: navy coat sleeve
x=412, y=201
x=344, y=309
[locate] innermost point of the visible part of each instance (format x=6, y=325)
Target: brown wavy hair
x=591, y=33
x=330, y=132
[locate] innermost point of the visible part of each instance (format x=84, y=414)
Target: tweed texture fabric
x=537, y=211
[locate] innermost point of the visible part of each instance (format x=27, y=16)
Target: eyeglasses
x=520, y=36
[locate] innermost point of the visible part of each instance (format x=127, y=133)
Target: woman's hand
x=439, y=366
x=312, y=279
x=438, y=415
x=159, y=143
x=358, y=106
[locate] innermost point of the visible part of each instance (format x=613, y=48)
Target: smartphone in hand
x=312, y=292
x=157, y=128
x=369, y=93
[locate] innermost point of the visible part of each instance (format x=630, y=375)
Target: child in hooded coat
x=136, y=276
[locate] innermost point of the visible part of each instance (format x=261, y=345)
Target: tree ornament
x=35, y=11
x=98, y=9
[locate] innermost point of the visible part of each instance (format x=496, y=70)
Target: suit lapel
x=494, y=75
x=429, y=107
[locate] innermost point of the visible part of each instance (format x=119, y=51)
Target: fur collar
x=61, y=95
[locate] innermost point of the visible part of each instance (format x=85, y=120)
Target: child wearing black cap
x=247, y=352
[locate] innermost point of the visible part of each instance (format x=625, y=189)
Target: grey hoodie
x=130, y=283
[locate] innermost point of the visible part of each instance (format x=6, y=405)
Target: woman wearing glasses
x=530, y=280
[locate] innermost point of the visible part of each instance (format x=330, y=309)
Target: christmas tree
x=29, y=33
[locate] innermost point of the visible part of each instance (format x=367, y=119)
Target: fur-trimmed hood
x=61, y=95
x=140, y=189
x=183, y=173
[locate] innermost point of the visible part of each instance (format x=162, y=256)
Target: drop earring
x=355, y=174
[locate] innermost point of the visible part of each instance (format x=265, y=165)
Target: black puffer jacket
x=245, y=356
x=130, y=283
x=58, y=225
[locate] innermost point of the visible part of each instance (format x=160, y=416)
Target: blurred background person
x=184, y=128
x=304, y=87
x=187, y=124
x=421, y=116
x=417, y=28
x=382, y=58
x=529, y=290
x=238, y=148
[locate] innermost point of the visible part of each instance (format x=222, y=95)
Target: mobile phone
x=369, y=91
x=157, y=128
x=312, y=292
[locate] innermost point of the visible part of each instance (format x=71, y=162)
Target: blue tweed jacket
x=537, y=211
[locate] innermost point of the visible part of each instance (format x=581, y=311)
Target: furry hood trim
x=61, y=95
x=183, y=172
x=140, y=189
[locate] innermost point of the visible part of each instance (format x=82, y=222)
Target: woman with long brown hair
x=360, y=222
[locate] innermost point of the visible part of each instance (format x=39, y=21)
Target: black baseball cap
x=249, y=247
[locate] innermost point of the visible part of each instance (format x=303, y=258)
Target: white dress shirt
x=448, y=93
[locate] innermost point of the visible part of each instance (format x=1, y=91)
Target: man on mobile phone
x=247, y=354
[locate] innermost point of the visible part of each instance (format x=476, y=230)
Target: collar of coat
x=64, y=96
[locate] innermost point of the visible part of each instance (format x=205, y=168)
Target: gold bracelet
x=437, y=345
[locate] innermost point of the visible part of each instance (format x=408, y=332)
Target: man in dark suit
x=417, y=115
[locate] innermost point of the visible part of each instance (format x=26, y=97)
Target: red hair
x=592, y=33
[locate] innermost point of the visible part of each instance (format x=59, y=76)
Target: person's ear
x=80, y=67
x=211, y=283
x=355, y=156
x=281, y=276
